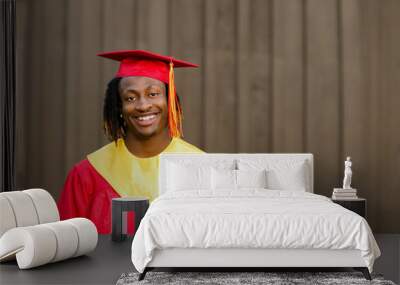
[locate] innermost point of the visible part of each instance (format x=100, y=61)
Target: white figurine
x=347, y=173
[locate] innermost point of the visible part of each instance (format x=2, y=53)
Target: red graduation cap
x=156, y=66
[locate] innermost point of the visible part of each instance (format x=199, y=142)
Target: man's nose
x=143, y=104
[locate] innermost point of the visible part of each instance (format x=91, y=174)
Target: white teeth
x=145, y=118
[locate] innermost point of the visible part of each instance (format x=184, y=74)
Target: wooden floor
x=389, y=262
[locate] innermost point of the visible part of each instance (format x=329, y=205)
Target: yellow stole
x=130, y=175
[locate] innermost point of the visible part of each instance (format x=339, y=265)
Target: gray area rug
x=226, y=278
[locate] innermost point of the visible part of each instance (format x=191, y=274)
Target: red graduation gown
x=92, y=183
x=86, y=194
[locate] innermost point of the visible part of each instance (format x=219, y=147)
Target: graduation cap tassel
x=174, y=110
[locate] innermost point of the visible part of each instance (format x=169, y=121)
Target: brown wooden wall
x=276, y=76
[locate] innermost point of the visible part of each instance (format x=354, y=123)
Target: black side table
x=121, y=206
x=358, y=206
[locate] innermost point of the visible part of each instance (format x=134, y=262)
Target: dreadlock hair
x=113, y=124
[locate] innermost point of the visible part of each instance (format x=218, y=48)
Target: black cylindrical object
x=121, y=206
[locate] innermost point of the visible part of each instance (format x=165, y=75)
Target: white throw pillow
x=223, y=179
x=187, y=177
x=251, y=178
x=289, y=179
x=281, y=174
x=226, y=179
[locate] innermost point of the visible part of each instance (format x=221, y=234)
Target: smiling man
x=143, y=118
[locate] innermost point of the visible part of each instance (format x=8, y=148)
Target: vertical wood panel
x=254, y=43
x=43, y=97
x=186, y=42
x=152, y=20
x=220, y=81
x=390, y=106
x=323, y=134
x=118, y=22
x=34, y=100
x=91, y=89
x=53, y=89
x=288, y=77
x=243, y=75
x=23, y=24
x=72, y=83
x=260, y=92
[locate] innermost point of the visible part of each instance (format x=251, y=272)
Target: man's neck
x=147, y=147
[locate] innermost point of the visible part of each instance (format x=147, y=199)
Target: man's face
x=144, y=106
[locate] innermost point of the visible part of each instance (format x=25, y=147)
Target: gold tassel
x=174, y=109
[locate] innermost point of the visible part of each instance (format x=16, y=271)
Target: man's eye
x=130, y=99
x=154, y=94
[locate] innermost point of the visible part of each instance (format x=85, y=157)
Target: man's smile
x=146, y=120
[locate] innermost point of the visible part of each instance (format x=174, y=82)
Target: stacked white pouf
x=32, y=233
